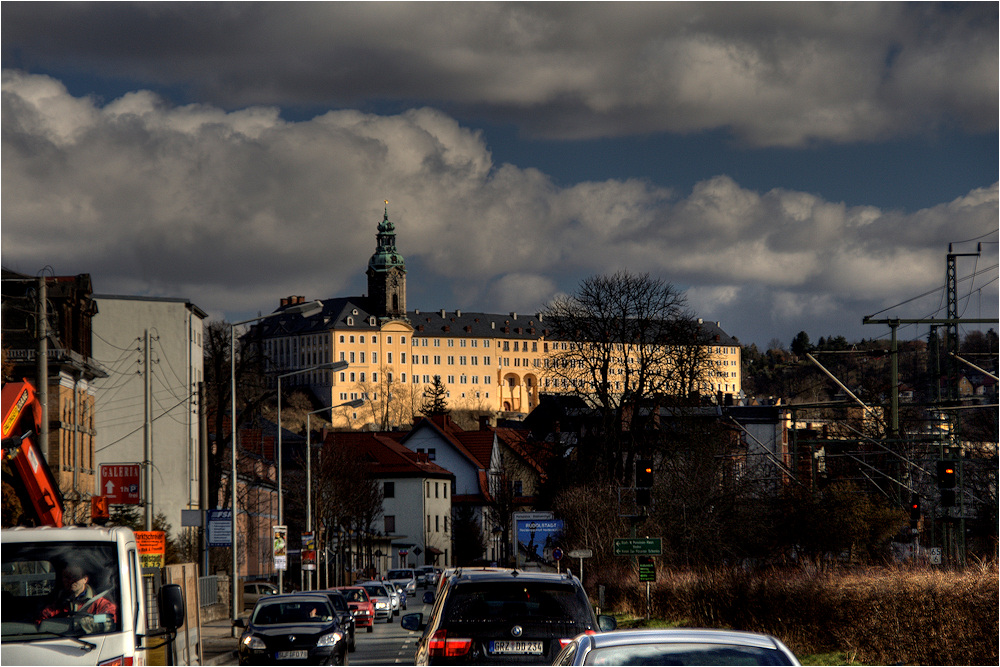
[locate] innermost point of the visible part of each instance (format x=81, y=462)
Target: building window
x=402, y=357
x=428, y=489
x=402, y=340
x=361, y=339
x=388, y=489
x=436, y=490
x=390, y=524
x=341, y=338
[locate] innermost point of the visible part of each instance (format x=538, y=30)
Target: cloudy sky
x=791, y=167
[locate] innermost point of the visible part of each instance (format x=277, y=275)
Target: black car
x=500, y=617
x=293, y=629
x=344, y=614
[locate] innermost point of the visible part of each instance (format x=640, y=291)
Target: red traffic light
x=946, y=474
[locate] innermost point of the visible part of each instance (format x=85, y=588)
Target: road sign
x=557, y=554
x=935, y=555
x=120, y=483
x=647, y=569
x=638, y=546
x=580, y=553
x=220, y=528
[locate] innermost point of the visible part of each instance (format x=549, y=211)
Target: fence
x=208, y=590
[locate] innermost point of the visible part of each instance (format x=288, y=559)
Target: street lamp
x=305, y=310
x=356, y=403
x=331, y=366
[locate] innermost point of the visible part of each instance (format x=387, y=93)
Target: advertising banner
x=308, y=551
x=152, y=547
x=281, y=547
x=536, y=538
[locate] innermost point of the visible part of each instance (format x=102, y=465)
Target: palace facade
x=486, y=361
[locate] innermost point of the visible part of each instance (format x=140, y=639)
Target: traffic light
x=644, y=482
x=914, y=510
x=946, y=474
x=99, y=510
x=644, y=474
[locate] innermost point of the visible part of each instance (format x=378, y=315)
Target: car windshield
x=685, y=654
x=356, y=595
x=65, y=589
x=512, y=600
x=378, y=591
x=338, y=602
x=400, y=574
x=277, y=612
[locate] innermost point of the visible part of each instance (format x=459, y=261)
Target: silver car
x=675, y=647
x=405, y=579
x=381, y=599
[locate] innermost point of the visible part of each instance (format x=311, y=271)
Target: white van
x=75, y=596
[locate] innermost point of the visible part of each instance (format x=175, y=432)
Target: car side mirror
x=606, y=623
x=428, y=597
x=412, y=622
x=171, y=606
x=239, y=623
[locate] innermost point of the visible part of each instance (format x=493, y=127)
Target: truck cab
x=75, y=596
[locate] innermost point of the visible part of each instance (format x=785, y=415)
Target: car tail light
x=563, y=643
x=450, y=647
x=120, y=660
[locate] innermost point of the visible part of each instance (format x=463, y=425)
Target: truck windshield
x=59, y=589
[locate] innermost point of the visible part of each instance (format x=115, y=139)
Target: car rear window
x=513, y=600
x=685, y=654
x=400, y=574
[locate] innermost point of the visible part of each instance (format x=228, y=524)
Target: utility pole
x=42, y=363
x=147, y=439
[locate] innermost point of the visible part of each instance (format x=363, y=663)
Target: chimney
x=514, y=315
x=538, y=316
x=458, y=313
x=442, y=312
x=284, y=301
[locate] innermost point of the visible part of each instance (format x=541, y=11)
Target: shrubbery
x=876, y=615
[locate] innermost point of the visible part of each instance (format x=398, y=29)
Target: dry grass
x=877, y=616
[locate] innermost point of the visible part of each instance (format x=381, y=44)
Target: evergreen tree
x=434, y=399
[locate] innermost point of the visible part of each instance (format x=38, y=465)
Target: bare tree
x=348, y=498
x=620, y=342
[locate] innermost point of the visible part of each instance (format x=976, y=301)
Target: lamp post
x=305, y=310
x=332, y=366
x=356, y=403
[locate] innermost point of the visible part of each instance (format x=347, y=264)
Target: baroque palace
x=485, y=361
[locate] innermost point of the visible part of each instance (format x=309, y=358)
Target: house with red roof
x=415, y=526
x=497, y=471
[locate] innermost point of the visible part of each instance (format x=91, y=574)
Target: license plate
x=292, y=655
x=515, y=648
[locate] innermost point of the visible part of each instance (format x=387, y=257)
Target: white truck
x=75, y=596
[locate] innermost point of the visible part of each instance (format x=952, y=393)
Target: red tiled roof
x=388, y=457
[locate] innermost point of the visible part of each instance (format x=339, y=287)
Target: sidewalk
x=218, y=645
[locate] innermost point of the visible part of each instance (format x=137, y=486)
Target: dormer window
x=350, y=321
x=371, y=320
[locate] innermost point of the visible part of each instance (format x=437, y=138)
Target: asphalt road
x=389, y=644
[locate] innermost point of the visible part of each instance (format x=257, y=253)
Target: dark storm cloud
x=779, y=74
x=235, y=209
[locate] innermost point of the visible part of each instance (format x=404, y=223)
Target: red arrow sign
x=120, y=483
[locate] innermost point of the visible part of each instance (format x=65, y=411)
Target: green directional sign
x=647, y=569
x=638, y=546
